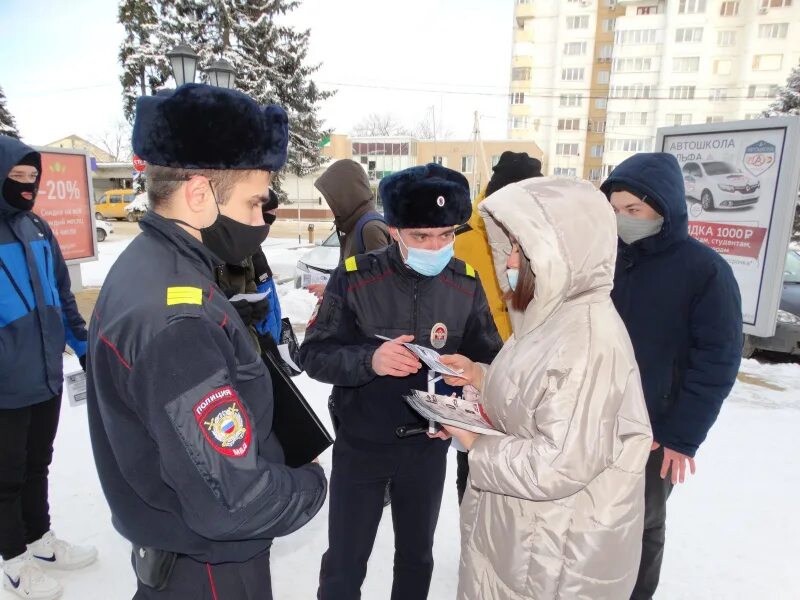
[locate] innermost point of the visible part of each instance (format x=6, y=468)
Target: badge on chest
x=439, y=335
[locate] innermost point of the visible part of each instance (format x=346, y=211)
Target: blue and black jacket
x=38, y=312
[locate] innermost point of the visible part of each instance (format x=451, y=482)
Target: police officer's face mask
x=229, y=239
x=427, y=262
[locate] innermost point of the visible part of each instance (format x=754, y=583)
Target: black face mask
x=229, y=239
x=13, y=190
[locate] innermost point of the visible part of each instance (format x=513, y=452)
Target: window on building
x=601, y=103
x=597, y=125
x=628, y=145
x=634, y=37
x=595, y=174
x=518, y=122
x=726, y=39
x=633, y=65
x=690, y=7
x=572, y=74
x=679, y=119
x=466, y=164
x=565, y=171
x=569, y=124
x=596, y=151
x=578, y=22
x=607, y=170
x=606, y=50
x=646, y=10
x=524, y=1
x=518, y=98
x=681, y=92
x=608, y=25
x=520, y=74
x=571, y=99
x=723, y=67
x=773, y=31
x=775, y=3
x=762, y=91
x=630, y=118
x=567, y=149
x=718, y=94
x=440, y=160
x=729, y=9
x=686, y=64
x=636, y=91
x=751, y=116
x=603, y=77
x=767, y=62
x=689, y=34
x=714, y=119
x=575, y=48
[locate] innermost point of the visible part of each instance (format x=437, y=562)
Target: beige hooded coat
x=555, y=507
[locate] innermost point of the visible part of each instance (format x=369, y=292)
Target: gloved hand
x=260, y=310
x=82, y=360
x=245, y=310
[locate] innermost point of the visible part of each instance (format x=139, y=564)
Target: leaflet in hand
x=76, y=387
x=314, y=278
x=451, y=410
x=251, y=298
x=428, y=356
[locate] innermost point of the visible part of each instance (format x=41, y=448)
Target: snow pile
x=139, y=204
x=297, y=304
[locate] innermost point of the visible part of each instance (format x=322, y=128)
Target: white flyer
x=314, y=278
x=430, y=357
x=251, y=298
x=76, y=387
x=452, y=410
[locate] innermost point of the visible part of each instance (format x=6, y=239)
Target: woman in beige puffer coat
x=555, y=505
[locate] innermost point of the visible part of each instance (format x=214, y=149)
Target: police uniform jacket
x=180, y=410
x=377, y=294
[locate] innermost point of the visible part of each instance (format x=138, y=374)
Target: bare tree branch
x=376, y=124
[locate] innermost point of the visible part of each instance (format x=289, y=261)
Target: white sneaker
x=49, y=551
x=23, y=576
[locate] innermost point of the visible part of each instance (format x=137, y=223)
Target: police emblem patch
x=440, y=201
x=224, y=422
x=439, y=336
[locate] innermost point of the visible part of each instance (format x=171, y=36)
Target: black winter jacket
x=377, y=294
x=180, y=409
x=681, y=305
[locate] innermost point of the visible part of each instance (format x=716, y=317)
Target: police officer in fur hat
x=180, y=403
x=412, y=290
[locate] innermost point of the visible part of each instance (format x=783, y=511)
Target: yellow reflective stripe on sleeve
x=184, y=295
x=350, y=264
x=470, y=270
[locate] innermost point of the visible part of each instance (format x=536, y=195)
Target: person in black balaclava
x=38, y=314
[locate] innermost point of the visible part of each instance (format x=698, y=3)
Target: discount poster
x=64, y=201
x=741, y=188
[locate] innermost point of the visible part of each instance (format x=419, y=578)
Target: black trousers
x=358, y=480
x=657, y=491
x=462, y=474
x=26, y=450
x=193, y=580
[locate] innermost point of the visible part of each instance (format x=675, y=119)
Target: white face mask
x=631, y=229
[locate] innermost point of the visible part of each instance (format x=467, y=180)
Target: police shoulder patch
x=463, y=268
x=224, y=422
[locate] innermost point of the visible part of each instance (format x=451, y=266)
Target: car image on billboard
x=719, y=185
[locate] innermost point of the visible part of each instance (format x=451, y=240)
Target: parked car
x=322, y=259
x=104, y=229
x=718, y=184
x=112, y=203
x=137, y=209
x=787, y=330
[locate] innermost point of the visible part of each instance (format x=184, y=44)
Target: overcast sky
x=59, y=70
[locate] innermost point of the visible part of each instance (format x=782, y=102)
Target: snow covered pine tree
x=8, y=126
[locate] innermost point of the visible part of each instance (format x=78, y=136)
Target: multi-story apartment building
x=592, y=80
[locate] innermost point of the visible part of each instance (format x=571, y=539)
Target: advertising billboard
x=741, y=181
x=65, y=202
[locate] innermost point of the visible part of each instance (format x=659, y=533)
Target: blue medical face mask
x=428, y=262
x=513, y=278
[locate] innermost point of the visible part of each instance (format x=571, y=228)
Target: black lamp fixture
x=221, y=74
x=184, y=64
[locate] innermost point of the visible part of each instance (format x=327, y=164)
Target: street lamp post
x=221, y=74
x=184, y=64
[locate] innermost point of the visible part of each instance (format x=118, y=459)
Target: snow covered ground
x=733, y=529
